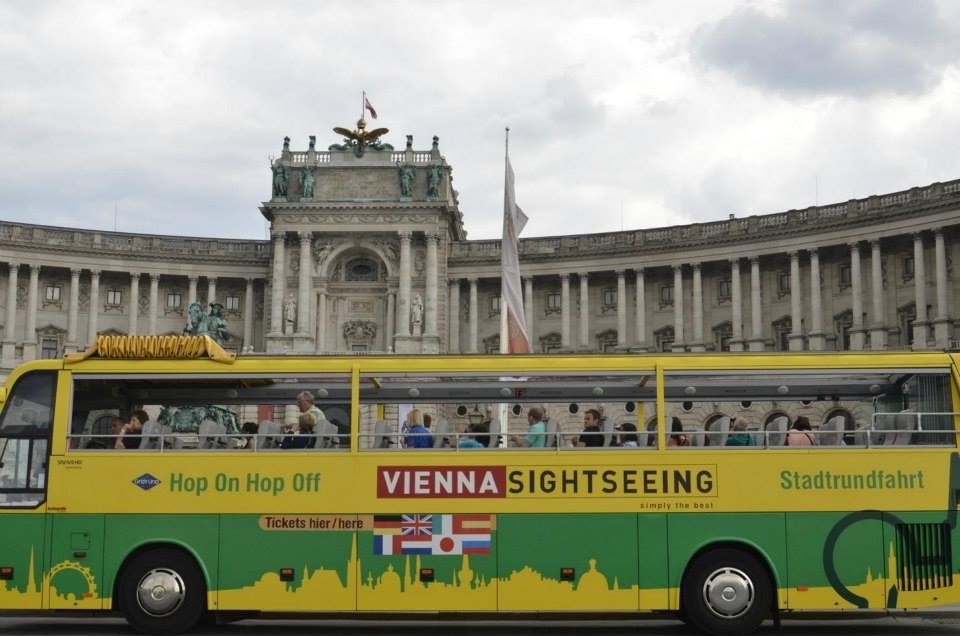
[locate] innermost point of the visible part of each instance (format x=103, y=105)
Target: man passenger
x=536, y=436
x=591, y=435
x=131, y=433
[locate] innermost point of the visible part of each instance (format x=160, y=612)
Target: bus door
x=25, y=424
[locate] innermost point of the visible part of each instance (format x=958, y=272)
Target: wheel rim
x=728, y=592
x=161, y=592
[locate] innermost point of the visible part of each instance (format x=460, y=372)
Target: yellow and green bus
x=688, y=498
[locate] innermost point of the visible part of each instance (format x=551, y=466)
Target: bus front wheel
x=161, y=591
x=726, y=591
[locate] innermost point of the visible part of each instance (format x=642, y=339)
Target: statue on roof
x=360, y=139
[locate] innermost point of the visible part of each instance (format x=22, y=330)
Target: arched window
x=361, y=269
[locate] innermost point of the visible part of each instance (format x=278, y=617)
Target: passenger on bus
x=591, y=435
x=801, y=433
x=740, y=436
x=116, y=426
x=628, y=437
x=478, y=436
x=305, y=402
x=249, y=430
x=131, y=433
x=677, y=438
x=536, y=436
x=302, y=434
x=418, y=435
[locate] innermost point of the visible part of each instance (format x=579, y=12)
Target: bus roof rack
x=154, y=348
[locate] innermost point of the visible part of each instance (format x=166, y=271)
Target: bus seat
x=208, y=434
x=697, y=437
x=717, y=435
x=151, y=435
x=382, y=437
x=861, y=434
x=326, y=432
x=268, y=432
x=777, y=430
x=441, y=431
x=607, y=426
x=553, y=434
x=904, y=423
x=831, y=431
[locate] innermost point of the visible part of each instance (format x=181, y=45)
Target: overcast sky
x=623, y=114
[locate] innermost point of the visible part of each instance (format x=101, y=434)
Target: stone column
x=941, y=321
x=134, y=303
x=154, y=303
x=697, y=344
x=474, y=317
x=276, y=296
x=321, y=345
x=403, y=297
x=796, y=306
x=756, y=342
x=621, y=309
x=191, y=290
x=211, y=292
x=920, y=325
x=640, y=337
x=391, y=319
x=565, y=311
x=248, y=315
x=10, y=324
x=453, y=322
x=94, y=312
x=584, y=310
x=303, y=286
x=30, y=337
x=678, y=337
x=431, y=294
x=73, y=311
x=736, y=307
x=878, y=329
x=857, y=334
x=528, y=310
x=816, y=337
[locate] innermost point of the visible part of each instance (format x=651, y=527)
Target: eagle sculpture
x=360, y=138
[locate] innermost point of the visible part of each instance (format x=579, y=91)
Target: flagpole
x=363, y=103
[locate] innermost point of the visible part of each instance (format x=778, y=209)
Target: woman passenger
x=800, y=434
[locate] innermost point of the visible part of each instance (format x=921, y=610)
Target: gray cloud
x=814, y=47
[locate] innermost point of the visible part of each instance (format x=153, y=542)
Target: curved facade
x=368, y=253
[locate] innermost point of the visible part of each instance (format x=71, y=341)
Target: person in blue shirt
x=739, y=435
x=479, y=436
x=536, y=436
x=418, y=435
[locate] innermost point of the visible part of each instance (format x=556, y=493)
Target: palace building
x=368, y=252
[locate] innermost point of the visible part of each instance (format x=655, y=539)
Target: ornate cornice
x=826, y=219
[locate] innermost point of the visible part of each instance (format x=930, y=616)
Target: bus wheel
x=726, y=591
x=161, y=591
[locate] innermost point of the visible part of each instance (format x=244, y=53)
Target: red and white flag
x=369, y=106
x=514, y=221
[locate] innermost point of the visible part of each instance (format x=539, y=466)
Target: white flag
x=514, y=221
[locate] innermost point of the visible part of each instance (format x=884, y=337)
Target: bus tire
x=726, y=591
x=162, y=591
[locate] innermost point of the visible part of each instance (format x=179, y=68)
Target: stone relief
x=320, y=253
x=361, y=307
x=359, y=330
x=419, y=262
x=144, y=303
x=355, y=219
x=84, y=296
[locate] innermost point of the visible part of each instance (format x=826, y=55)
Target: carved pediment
x=359, y=330
x=51, y=331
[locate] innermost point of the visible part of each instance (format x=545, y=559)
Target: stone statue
x=307, y=180
x=433, y=181
x=196, y=321
x=279, y=180
x=216, y=323
x=289, y=315
x=406, y=180
x=416, y=313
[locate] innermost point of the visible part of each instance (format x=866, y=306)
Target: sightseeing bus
x=693, y=503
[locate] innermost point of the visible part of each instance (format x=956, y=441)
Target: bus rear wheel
x=161, y=591
x=726, y=591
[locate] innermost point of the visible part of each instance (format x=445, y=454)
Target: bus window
x=464, y=411
x=208, y=412
x=843, y=407
x=24, y=430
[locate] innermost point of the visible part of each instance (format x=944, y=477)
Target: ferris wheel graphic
x=83, y=570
